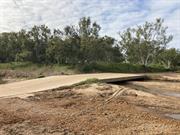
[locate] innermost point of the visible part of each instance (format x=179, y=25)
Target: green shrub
x=88, y=81
x=120, y=68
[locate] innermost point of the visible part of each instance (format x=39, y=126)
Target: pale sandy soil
x=175, y=77
x=159, y=85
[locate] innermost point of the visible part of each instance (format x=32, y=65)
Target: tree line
x=81, y=44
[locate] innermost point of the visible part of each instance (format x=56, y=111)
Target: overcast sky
x=112, y=15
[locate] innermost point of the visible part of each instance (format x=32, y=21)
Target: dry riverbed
x=145, y=107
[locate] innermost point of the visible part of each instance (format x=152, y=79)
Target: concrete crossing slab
x=53, y=82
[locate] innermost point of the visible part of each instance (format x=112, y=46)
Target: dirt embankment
x=15, y=74
x=90, y=109
x=9, y=76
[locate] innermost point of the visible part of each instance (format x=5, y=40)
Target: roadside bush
x=120, y=68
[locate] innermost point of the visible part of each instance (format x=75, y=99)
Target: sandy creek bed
x=130, y=108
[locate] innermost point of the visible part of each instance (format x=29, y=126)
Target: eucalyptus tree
x=3, y=47
x=25, y=46
x=170, y=58
x=89, y=34
x=143, y=44
x=39, y=36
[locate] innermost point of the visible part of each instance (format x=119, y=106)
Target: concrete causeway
x=18, y=89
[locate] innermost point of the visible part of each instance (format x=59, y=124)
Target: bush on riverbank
x=121, y=67
x=45, y=70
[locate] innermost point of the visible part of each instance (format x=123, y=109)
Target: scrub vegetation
x=140, y=49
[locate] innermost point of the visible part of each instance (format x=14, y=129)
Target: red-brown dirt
x=90, y=109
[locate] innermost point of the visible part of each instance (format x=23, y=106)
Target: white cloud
x=112, y=15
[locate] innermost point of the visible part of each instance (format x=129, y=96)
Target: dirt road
x=30, y=86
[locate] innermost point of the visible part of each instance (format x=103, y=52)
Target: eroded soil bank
x=130, y=108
